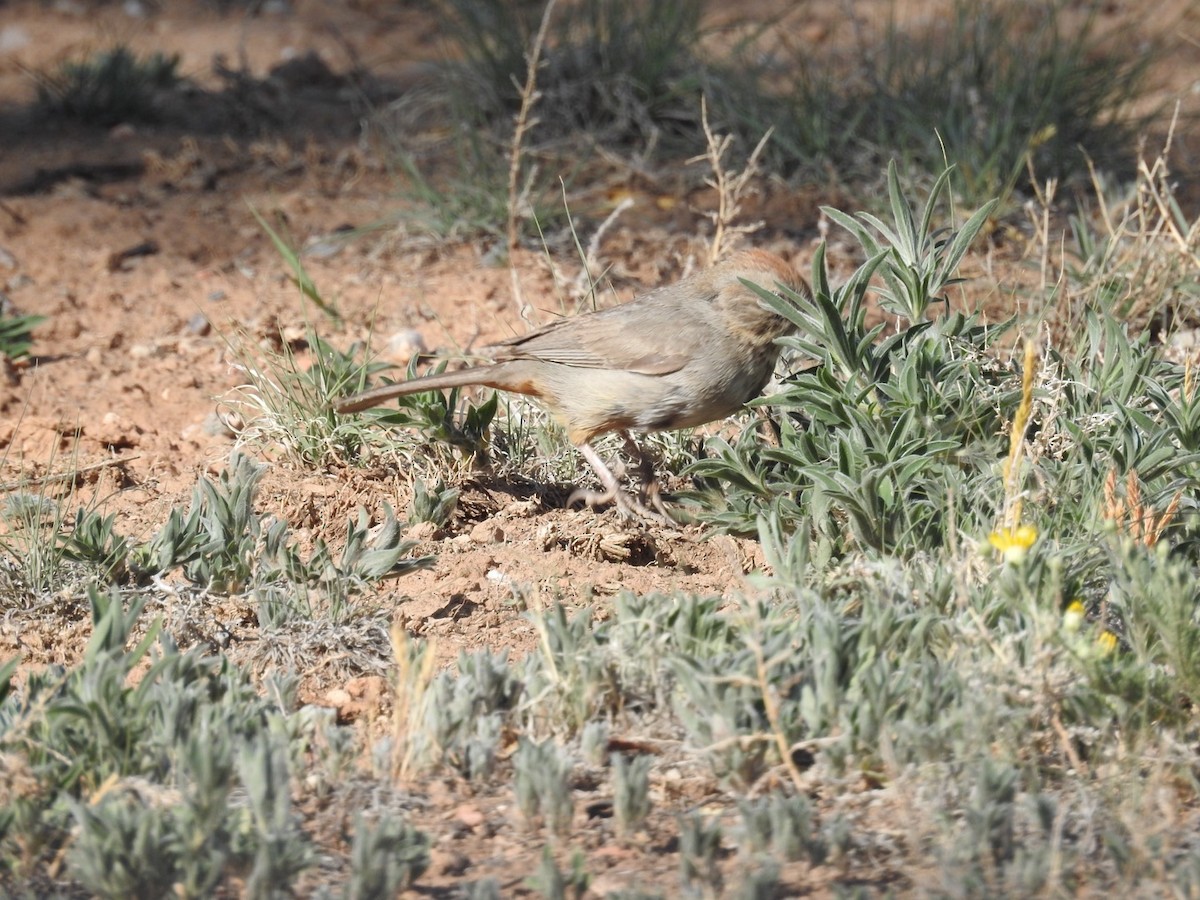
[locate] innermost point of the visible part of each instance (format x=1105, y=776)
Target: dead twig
x=731, y=188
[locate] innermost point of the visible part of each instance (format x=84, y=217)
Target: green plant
x=760, y=881
x=631, y=792
x=467, y=711
x=554, y=884
x=95, y=541
x=222, y=544
x=387, y=856
x=879, y=432
x=112, y=86
x=434, y=505
x=918, y=262
x=541, y=783
x=287, y=584
x=699, y=854
x=998, y=90
x=573, y=673
x=176, y=782
x=289, y=406
x=783, y=825
x=16, y=334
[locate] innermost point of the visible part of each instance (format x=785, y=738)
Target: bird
x=677, y=356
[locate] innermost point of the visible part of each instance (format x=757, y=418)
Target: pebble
x=405, y=343
x=216, y=425
x=199, y=325
x=487, y=533
x=115, y=432
x=421, y=531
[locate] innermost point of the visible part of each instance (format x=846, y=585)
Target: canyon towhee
x=682, y=355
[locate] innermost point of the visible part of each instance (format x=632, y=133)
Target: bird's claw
x=628, y=507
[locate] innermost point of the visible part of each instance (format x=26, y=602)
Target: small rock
x=405, y=343
x=115, y=432
x=366, y=686
x=294, y=335
x=7, y=260
x=469, y=815
x=448, y=862
x=421, y=531
x=142, y=351
x=198, y=325
x=216, y=425
x=487, y=533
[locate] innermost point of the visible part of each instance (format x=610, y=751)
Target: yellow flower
x=1013, y=543
x=1106, y=642
x=1073, y=617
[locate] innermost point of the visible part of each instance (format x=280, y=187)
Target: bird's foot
x=628, y=507
x=650, y=493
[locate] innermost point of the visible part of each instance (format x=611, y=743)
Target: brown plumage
x=678, y=356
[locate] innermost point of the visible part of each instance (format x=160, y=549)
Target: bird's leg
x=648, y=489
x=607, y=479
x=629, y=507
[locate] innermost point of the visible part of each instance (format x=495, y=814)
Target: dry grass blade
x=1131, y=515
x=414, y=675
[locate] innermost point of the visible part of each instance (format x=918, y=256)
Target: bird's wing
x=630, y=337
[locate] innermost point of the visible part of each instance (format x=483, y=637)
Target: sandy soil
x=139, y=245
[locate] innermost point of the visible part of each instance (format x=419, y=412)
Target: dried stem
x=731, y=188
x=529, y=97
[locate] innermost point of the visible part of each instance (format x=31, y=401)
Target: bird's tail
x=484, y=375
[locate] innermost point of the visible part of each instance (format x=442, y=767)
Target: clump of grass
x=35, y=515
x=996, y=89
x=288, y=406
x=526, y=83
x=112, y=86
x=611, y=68
x=1134, y=252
